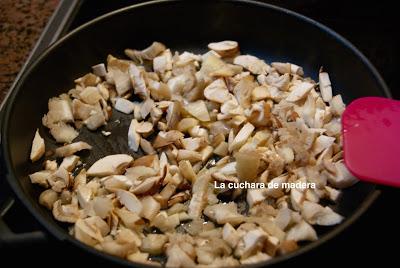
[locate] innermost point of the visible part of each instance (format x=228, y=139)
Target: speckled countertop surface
x=21, y=22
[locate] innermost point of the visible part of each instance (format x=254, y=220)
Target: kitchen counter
x=21, y=22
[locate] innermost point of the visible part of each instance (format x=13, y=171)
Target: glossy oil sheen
x=371, y=132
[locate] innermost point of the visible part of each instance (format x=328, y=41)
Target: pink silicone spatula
x=371, y=140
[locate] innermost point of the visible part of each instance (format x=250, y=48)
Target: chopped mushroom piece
x=325, y=86
x=217, y=91
x=225, y=48
x=72, y=148
x=110, y=165
x=242, y=136
x=130, y=201
x=199, y=110
x=252, y=63
x=301, y=232
x=63, y=133
x=133, y=136
x=38, y=147
x=148, y=53
x=299, y=91
x=124, y=106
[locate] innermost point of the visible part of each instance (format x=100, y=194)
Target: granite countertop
x=21, y=22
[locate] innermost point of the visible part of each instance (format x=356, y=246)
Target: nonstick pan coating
x=271, y=33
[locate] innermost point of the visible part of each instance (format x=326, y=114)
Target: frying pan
x=269, y=32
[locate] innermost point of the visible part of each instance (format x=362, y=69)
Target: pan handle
x=8, y=238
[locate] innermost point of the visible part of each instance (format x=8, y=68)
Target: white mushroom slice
x=225, y=48
x=337, y=105
x=114, y=182
x=164, y=222
x=59, y=111
x=159, y=90
x=325, y=86
x=186, y=170
x=322, y=142
x=178, y=258
x=247, y=164
x=255, y=196
x=302, y=232
x=133, y=136
x=138, y=81
x=224, y=213
x=150, y=207
x=166, y=138
x=140, y=172
x=130, y=201
x=102, y=206
x=41, y=177
x=38, y=147
x=192, y=156
x=121, y=80
x=124, y=106
x=144, y=128
x=71, y=149
x=65, y=213
x=70, y=162
x=343, y=178
x=287, y=68
x=154, y=243
x=299, y=91
x=83, y=111
x=163, y=63
x=148, y=53
x=95, y=121
x=242, y=136
x=253, y=241
x=243, y=91
x=314, y=213
x=146, y=186
x=283, y=218
x=99, y=69
x=199, y=196
x=84, y=195
x=110, y=165
x=128, y=218
x=251, y=63
x=90, y=95
x=47, y=198
x=63, y=133
x=198, y=109
x=217, y=91
x=230, y=235
x=332, y=193
x=146, y=107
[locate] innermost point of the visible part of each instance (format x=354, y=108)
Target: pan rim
x=64, y=236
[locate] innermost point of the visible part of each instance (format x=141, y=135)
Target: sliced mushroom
x=47, y=198
x=224, y=213
x=199, y=196
x=133, y=136
x=242, y=136
x=148, y=53
x=302, y=231
x=124, y=106
x=130, y=201
x=63, y=133
x=343, y=178
x=65, y=213
x=110, y=165
x=225, y=48
x=198, y=109
x=71, y=149
x=252, y=63
x=38, y=147
x=217, y=91
x=299, y=91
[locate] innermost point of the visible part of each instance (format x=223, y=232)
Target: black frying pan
x=269, y=32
